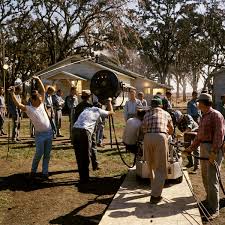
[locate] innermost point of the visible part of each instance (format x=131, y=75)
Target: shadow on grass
x=22, y=182
x=94, y=186
x=74, y=218
x=54, y=147
x=101, y=185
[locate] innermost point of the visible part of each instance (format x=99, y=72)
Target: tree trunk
x=178, y=89
x=184, y=90
x=194, y=81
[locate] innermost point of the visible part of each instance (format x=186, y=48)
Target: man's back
x=131, y=131
x=156, y=121
x=80, y=108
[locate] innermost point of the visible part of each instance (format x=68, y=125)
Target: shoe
x=101, y=145
x=195, y=168
x=3, y=133
x=59, y=135
x=18, y=139
x=213, y=216
x=189, y=165
x=14, y=141
x=32, y=175
x=45, y=177
x=96, y=168
x=155, y=200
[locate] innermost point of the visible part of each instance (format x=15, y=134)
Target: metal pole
x=8, y=132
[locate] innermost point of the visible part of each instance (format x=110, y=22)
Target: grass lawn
x=59, y=201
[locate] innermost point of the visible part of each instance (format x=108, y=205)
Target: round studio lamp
x=5, y=66
x=105, y=84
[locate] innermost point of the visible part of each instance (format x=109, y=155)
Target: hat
x=156, y=101
x=178, y=115
x=168, y=92
x=205, y=97
x=86, y=93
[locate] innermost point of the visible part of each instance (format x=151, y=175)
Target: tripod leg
x=110, y=130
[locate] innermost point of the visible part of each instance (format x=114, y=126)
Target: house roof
x=102, y=64
x=61, y=75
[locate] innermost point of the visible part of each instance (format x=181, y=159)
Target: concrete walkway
x=130, y=205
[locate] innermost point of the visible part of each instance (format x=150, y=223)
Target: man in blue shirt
x=130, y=107
x=2, y=110
x=15, y=113
x=192, y=108
x=58, y=104
x=83, y=130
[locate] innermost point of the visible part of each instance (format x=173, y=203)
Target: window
x=147, y=90
x=156, y=90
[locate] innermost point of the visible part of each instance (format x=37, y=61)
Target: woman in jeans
x=43, y=130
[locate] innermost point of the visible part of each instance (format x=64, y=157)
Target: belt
x=156, y=133
x=206, y=142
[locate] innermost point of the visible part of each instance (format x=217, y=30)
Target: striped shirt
x=211, y=129
x=156, y=121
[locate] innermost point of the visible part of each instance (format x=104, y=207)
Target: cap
x=204, y=96
x=178, y=115
x=143, y=108
x=156, y=101
x=86, y=93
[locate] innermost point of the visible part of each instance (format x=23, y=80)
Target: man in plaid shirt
x=157, y=124
x=210, y=138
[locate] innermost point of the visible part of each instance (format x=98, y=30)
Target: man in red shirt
x=210, y=138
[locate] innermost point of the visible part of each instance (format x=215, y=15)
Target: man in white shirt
x=83, y=130
x=132, y=131
x=43, y=131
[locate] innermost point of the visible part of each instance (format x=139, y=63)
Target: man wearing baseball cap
x=157, y=124
x=210, y=137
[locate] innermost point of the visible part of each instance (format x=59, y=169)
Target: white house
x=77, y=71
x=218, y=85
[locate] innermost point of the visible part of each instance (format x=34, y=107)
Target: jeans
x=43, y=141
x=16, y=126
x=100, y=131
x=58, y=120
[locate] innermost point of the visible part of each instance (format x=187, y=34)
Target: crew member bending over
x=83, y=130
x=157, y=124
x=43, y=131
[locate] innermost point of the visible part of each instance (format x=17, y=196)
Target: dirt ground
x=60, y=200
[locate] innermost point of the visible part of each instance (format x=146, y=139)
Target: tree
x=68, y=25
x=160, y=34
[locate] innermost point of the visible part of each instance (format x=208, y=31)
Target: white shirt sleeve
x=103, y=113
